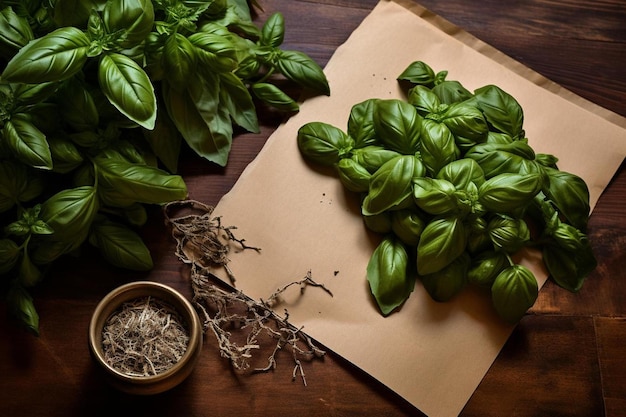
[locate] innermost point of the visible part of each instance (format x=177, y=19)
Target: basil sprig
x=97, y=99
x=449, y=179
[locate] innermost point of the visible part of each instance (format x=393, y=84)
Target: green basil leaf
x=465, y=144
x=300, y=68
x=17, y=228
x=501, y=110
x=86, y=139
x=237, y=18
x=497, y=159
x=449, y=281
x=569, y=268
x=378, y=223
x=547, y=160
x=26, y=218
x=273, y=30
x=154, y=47
x=179, y=61
x=211, y=145
x=508, y=192
x=248, y=68
x=69, y=213
x=499, y=138
x=129, y=151
x=570, y=194
x=387, y=275
x=55, y=56
x=486, y=266
x=353, y=176
x=569, y=238
x=441, y=77
x=134, y=18
x=96, y=30
x=120, y=246
x=9, y=255
x=466, y=121
x=467, y=202
x=462, y=172
x=18, y=183
x=438, y=146
x=323, y=143
x=236, y=98
x=398, y=126
x=128, y=88
x=39, y=227
x=508, y=234
x=215, y=51
x=15, y=32
x=48, y=250
x=205, y=95
x=33, y=93
x=165, y=140
x=418, y=72
x=450, y=92
x=241, y=8
x=21, y=306
x=391, y=186
x=28, y=273
x=544, y=213
x=215, y=7
x=478, y=240
x=442, y=241
x=72, y=12
x=78, y=105
x=27, y=142
x=361, y=123
x=136, y=214
x=220, y=137
x=495, y=162
x=424, y=100
x=435, y=196
x=502, y=156
x=275, y=97
x=373, y=157
x=407, y=225
x=65, y=155
x=513, y=292
x=121, y=183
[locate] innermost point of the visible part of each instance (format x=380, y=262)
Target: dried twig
x=204, y=243
x=200, y=237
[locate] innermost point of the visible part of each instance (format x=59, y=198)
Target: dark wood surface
x=566, y=358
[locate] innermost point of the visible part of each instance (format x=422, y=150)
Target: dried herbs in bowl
x=146, y=337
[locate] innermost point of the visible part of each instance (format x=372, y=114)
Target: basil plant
x=97, y=100
x=448, y=179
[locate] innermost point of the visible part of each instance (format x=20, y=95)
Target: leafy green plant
x=448, y=178
x=97, y=99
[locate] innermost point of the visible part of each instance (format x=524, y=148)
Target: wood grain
x=564, y=359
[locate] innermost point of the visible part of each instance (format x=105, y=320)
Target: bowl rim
x=131, y=291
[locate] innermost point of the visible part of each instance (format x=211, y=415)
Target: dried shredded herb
x=144, y=337
x=201, y=238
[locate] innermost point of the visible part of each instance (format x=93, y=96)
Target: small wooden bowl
x=153, y=384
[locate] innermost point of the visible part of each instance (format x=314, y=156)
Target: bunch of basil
x=96, y=100
x=449, y=179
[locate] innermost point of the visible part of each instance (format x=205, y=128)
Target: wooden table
x=566, y=358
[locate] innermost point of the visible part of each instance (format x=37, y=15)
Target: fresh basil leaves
x=97, y=99
x=448, y=178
